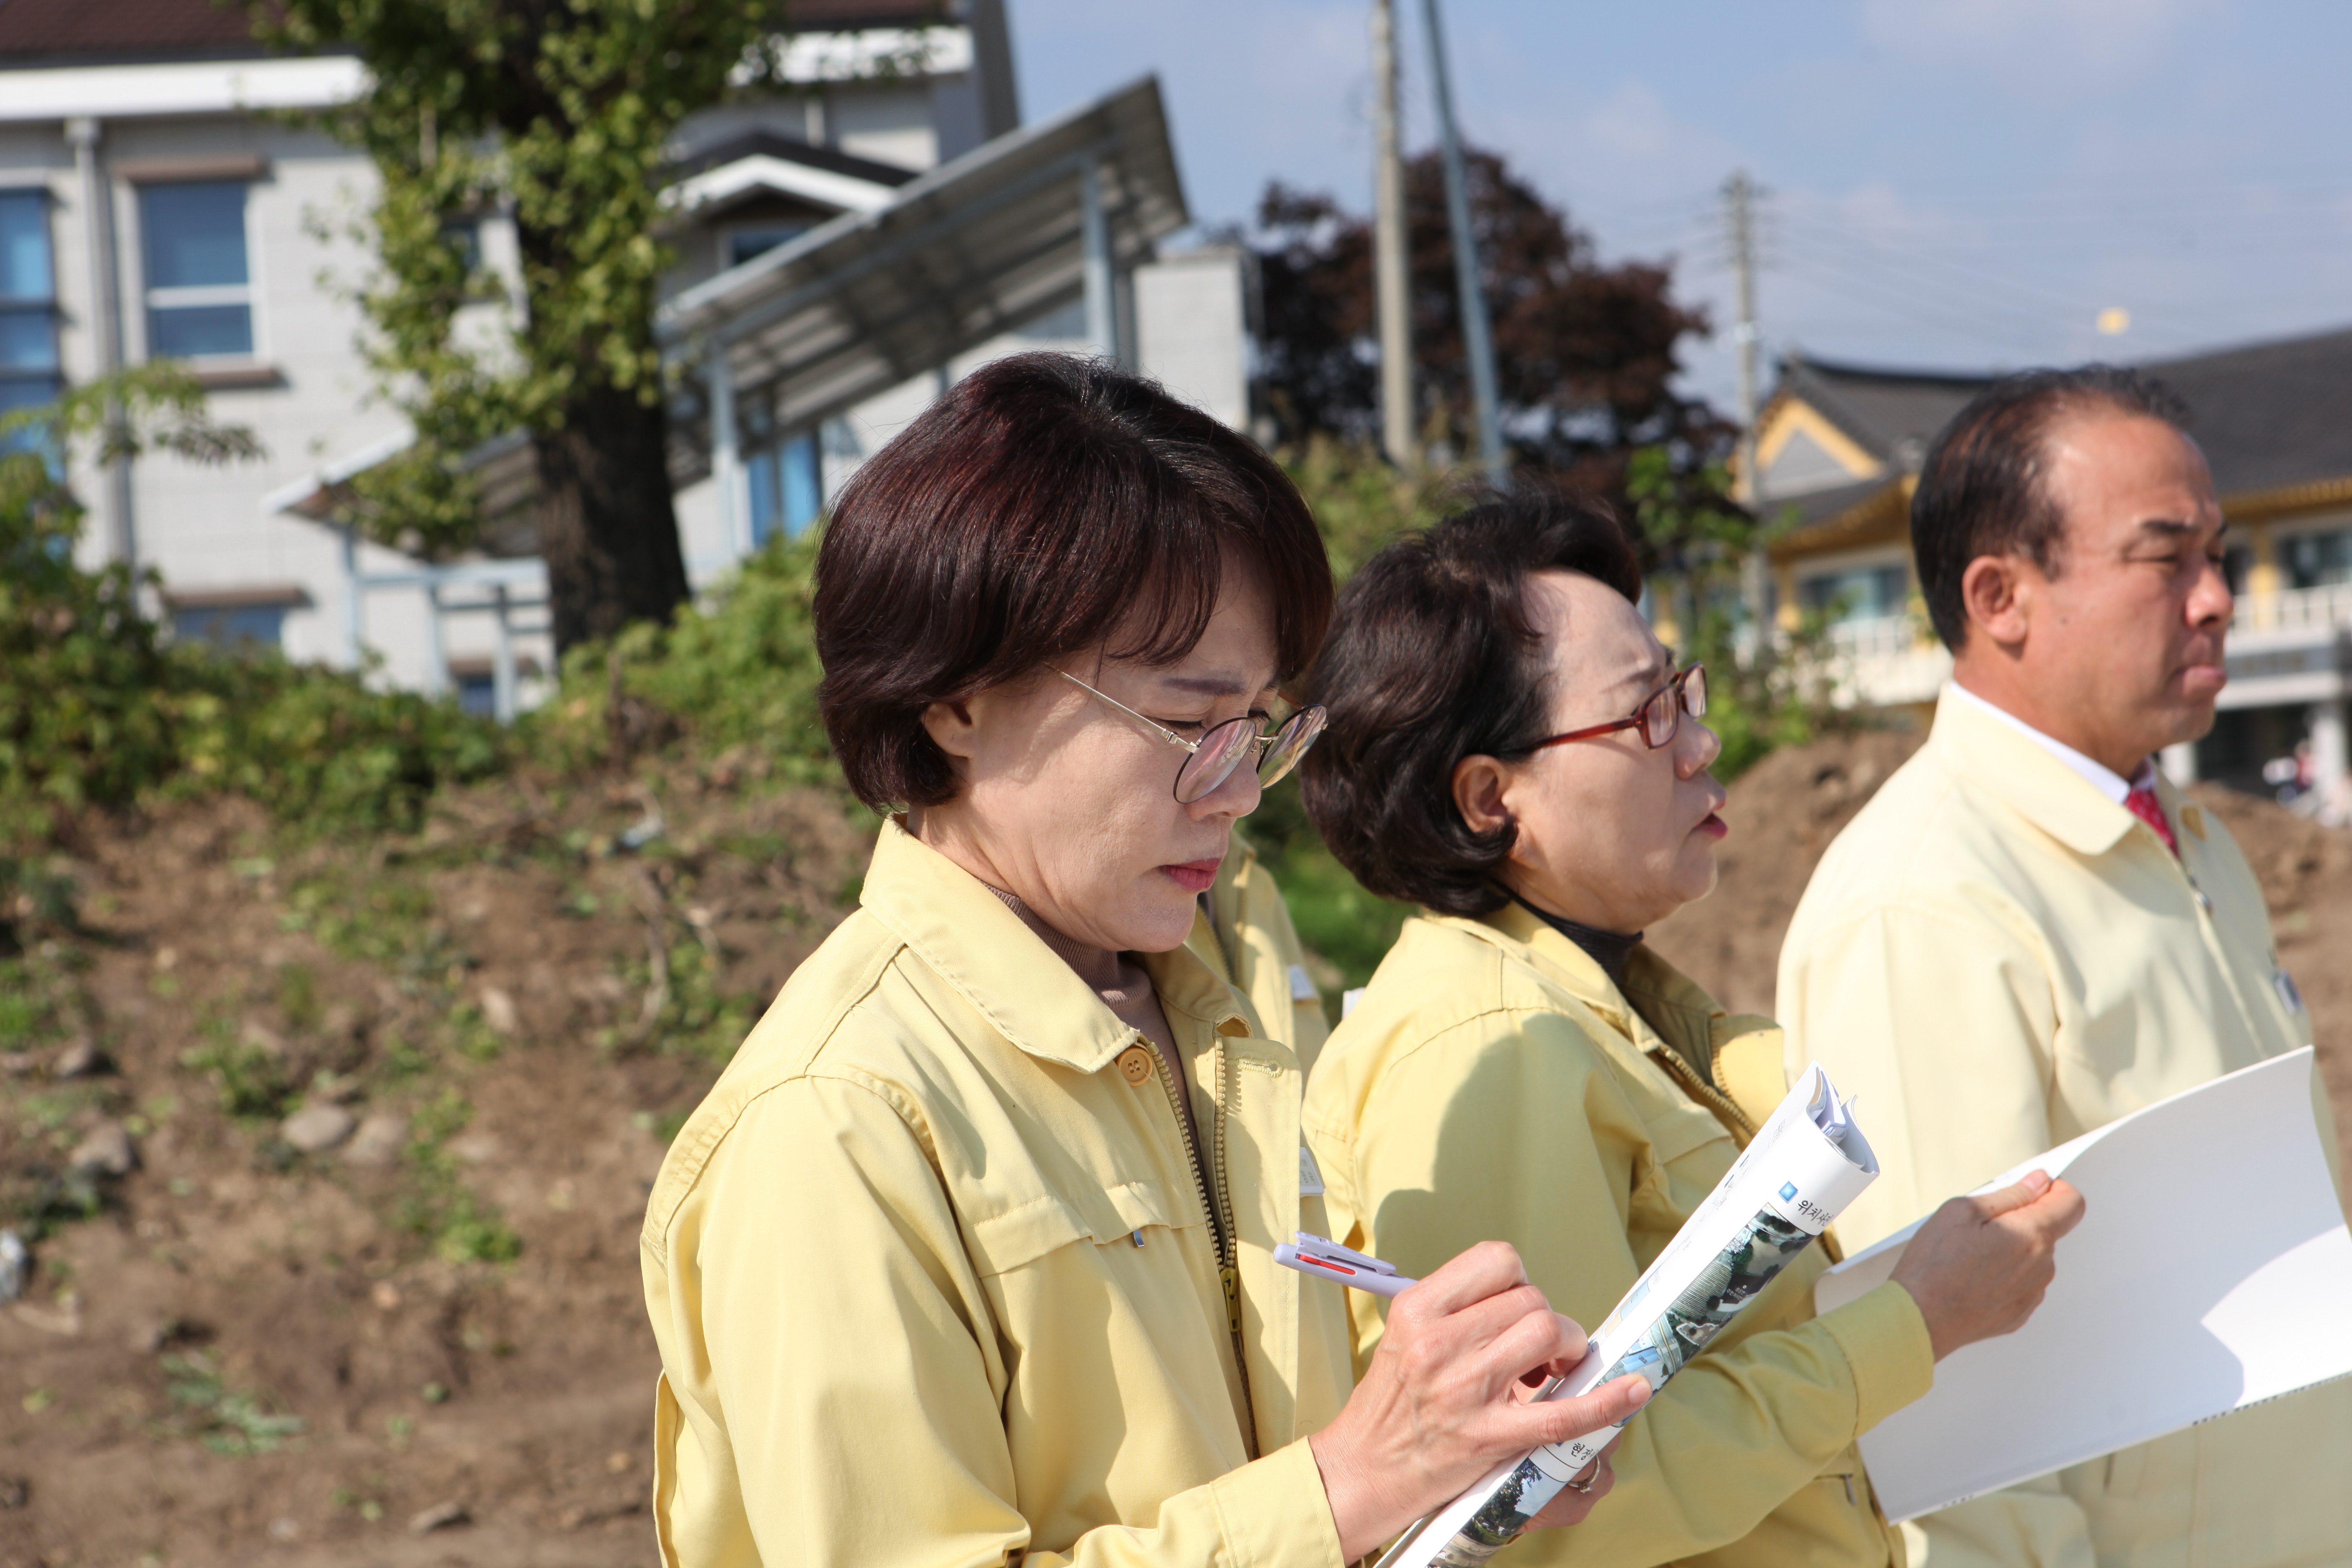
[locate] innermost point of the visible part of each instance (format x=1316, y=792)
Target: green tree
x=557, y=113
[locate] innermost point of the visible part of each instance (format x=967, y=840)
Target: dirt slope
x=510, y=1013
x=1785, y=811
x=484, y=999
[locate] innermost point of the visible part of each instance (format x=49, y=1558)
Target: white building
x=152, y=206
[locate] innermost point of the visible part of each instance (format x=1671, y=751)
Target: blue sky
x=1960, y=183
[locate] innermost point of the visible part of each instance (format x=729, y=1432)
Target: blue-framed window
x=28, y=305
x=787, y=487
x=199, y=280
x=743, y=244
x=231, y=626
x=2320, y=560
x=1857, y=592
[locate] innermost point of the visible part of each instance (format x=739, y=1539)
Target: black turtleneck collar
x=1610, y=950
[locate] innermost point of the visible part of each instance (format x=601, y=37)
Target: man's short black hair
x=1983, y=490
x=1431, y=658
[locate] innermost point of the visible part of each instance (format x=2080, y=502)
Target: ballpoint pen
x=1326, y=1259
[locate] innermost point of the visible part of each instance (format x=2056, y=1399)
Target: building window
x=743, y=244
x=1856, y=593
x=787, y=490
x=199, y=287
x=2317, y=559
x=232, y=628
x=28, y=305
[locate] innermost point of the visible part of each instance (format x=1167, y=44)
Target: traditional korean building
x=1840, y=447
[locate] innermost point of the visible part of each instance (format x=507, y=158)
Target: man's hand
x=1980, y=1266
x=1439, y=1406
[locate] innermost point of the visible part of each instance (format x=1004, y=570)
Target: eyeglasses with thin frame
x=1221, y=747
x=1658, y=718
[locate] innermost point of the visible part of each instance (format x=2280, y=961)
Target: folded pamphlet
x=1804, y=1165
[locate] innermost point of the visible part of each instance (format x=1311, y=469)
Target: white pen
x=1326, y=1259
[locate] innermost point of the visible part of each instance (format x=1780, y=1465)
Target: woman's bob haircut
x=1045, y=505
x=1432, y=659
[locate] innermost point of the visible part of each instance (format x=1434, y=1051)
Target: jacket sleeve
x=852, y=1357
x=1940, y=1027
x=1508, y=1127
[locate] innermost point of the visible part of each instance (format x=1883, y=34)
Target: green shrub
x=96, y=708
x=741, y=672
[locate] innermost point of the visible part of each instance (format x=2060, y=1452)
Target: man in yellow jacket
x=2029, y=932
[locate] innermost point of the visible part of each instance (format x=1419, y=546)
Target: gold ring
x=1591, y=1473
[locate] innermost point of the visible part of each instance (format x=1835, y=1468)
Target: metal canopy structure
x=1014, y=229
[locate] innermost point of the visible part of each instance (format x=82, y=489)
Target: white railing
x=2296, y=608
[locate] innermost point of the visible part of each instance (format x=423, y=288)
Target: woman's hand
x=1575, y=1500
x=1980, y=1266
x=1439, y=1406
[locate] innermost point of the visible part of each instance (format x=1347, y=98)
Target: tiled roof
x=2270, y=414
x=65, y=32
x=2267, y=415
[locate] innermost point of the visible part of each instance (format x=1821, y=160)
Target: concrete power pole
x=1477, y=333
x=1391, y=274
x=1739, y=217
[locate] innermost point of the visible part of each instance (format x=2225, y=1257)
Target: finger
x=1556, y=1420
x=1540, y=1342
x=1486, y=1270
x=2059, y=1210
x=2016, y=1195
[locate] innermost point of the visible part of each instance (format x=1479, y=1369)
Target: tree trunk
x=606, y=526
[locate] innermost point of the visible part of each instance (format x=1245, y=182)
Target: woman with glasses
x=1511, y=748
x=968, y=1256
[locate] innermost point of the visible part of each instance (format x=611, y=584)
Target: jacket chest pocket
x=1021, y=1235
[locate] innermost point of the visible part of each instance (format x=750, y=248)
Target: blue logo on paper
x=1787, y=1191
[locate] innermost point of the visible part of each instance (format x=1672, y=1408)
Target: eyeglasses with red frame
x=1658, y=718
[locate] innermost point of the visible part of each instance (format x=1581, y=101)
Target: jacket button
x=1134, y=1065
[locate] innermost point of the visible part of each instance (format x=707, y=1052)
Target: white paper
x=1804, y=1165
x=2211, y=1271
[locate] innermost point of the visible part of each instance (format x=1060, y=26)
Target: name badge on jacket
x=1310, y=1176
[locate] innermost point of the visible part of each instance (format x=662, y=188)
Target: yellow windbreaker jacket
x=1996, y=958
x=1492, y=1083
x=936, y=1281
x=1246, y=937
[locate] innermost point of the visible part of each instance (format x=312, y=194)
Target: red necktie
x=2142, y=803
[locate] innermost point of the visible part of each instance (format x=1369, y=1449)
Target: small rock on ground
x=82, y=1058
x=444, y=1516
x=498, y=1010
x=381, y=1136
x=315, y=1129
x=106, y=1149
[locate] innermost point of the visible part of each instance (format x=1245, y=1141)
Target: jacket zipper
x=1229, y=1280
x=1727, y=1110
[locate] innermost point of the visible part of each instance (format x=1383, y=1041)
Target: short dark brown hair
x=1982, y=487
x=1046, y=504
x=1433, y=659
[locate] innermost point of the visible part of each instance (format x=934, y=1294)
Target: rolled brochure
x=1806, y=1163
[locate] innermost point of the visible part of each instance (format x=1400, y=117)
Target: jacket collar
x=969, y=938
x=2029, y=779
x=1674, y=1010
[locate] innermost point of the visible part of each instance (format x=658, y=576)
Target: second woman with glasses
x=1511, y=748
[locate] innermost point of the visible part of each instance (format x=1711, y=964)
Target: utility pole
x=1739, y=217
x=1478, y=335
x=1391, y=279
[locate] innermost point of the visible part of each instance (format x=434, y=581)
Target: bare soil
x=498, y=970
x=530, y=1006
x=1784, y=812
